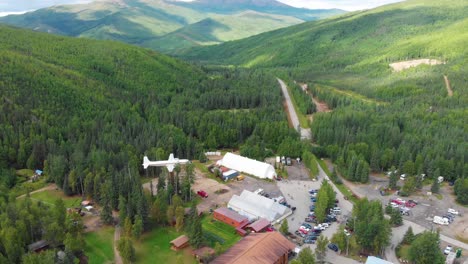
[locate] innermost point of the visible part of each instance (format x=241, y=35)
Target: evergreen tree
x=179, y=215
x=395, y=218
x=306, y=256
x=170, y=214
x=392, y=183
x=137, y=227
x=408, y=237
x=126, y=249
x=196, y=238
x=284, y=228
x=106, y=214
x=435, y=186
x=321, y=250
x=425, y=249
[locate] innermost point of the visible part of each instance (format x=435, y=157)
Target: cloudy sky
x=13, y=6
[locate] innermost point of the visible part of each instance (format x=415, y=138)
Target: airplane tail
x=146, y=162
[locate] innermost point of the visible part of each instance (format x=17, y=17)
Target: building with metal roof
x=376, y=260
x=250, y=166
x=230, y=217
x=259, y=225
x=258, y=248
x=255, y=206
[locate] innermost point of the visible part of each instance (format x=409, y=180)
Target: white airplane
x=170, y=163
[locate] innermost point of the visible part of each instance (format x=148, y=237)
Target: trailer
x=228, y=175
x=440, y=220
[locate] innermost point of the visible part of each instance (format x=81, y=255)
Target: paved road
x=305, y=132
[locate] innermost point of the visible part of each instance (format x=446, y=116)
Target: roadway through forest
x=305, y=132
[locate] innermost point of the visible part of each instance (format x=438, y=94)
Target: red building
x=230, y=217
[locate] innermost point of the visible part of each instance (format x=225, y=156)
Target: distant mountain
x=360, y=41
x=167, y=25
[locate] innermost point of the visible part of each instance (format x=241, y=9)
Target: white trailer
x=440, y=220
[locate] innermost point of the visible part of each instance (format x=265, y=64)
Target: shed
x=250, y=166
x=259, y=225
x=86, y=203
x=242, y=232
x=376, y=260
x=38, y=246
x=230, y=217
x=230, y=175
x=180, y=242
x=201, y=253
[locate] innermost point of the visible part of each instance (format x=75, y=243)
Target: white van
x=336, y=210
x=259, y=192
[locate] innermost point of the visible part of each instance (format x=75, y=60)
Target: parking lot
x=424, y=212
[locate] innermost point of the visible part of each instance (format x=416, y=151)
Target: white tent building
x=255, y=206
x=256, y=168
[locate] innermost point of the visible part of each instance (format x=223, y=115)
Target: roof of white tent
x=250, y=203
x=250, y=166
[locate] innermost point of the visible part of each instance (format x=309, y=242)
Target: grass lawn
x=154, y=247
x=25, y=172
x=403, y=251
x=22, y=187
x=99, y=246
x=49, y=197
x=216, y=231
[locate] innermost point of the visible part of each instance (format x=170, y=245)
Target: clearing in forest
x=403, y=65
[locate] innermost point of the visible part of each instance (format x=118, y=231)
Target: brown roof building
x=180, y=242
x=258, y=248
x=230, y=217
x=259, y=225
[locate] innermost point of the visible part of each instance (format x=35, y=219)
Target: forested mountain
x=147, y=23
x=82, y=108
x=414, y=119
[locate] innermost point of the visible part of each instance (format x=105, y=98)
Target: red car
x=202, y=194
x=269, y=229
x=397, y=201
x=410, y=204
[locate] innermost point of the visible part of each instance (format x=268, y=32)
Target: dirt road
x=447, y=85
x=47, y=188
x=305, y=132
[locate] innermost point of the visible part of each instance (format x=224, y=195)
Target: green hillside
x=148, y=23
x=355, y=41
x=410, y=119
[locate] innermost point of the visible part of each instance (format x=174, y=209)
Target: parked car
x=310, y=240
x=413, y=201
x=333, y=247
x=312, y=208
x=394, y=205
x=326, y=225
x=202, y=194
x=299, y=233
x=410, y=204
x=269, y=229
x=307, y=225
x=313, y=191
x=347, y=233
x=449, y=218
x=448, y=249
x=288, y=161
x=313, y=199
x=453, y=211
x=304, y=228
x=310, y=220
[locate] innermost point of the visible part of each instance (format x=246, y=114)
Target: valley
x=333, y=136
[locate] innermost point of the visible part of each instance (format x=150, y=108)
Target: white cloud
x=2, y=14
x=22, y=5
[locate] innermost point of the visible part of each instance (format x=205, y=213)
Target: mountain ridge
x=144, y=21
